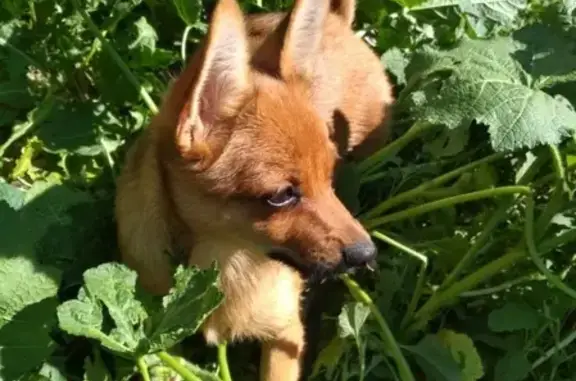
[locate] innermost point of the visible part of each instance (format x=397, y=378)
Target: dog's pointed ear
x=346, y=9
x=303, y=38
x=221, y=82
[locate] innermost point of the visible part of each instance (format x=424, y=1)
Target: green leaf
x=547, y=54
x=569, y=5
x=351, y=319
x=138, y=329
x=142, y=50
x=435, y=360
x=29, y=284
x=96, y=369
x=193, y=298
x=497, y=11
x=448, y=143
x=112, y=285
x=52, y=372
x=188, y=10
x=513, y=317
x=512, y=367
x=25, y=340
x=464, y=352
x=396, y=61
x=489, y=86
x=80, y=128
x=329, y=357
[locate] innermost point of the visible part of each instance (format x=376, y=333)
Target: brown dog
x=239, y=163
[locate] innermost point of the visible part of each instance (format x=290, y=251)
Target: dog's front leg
x=282, y=356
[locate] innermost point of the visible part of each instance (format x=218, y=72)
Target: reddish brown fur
x=229, y=134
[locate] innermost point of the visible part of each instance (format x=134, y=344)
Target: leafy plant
x=471, y=202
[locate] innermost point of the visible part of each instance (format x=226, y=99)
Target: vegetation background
x=473, y=198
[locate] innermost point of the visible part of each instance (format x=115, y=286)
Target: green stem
x=482, y=239
x=529, y=236
x=179, y=368
x=143, y=368
x=452, y=293
x=501, y=287
x=421, y=274
x=408, y=195
x=558, y=241
x=36, y=116
x=372, y=163
x=223, y=362
x=552, y=351
x=185, y=42
x=116, y=57
x=387, y=337
x=557, y=163
x=446, y=202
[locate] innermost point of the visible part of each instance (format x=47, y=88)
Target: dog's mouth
x=312, y=270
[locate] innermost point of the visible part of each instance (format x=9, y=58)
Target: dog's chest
x=262, y=296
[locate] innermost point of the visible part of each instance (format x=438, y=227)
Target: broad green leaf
x=188, y=10
x=142, y=50
x=547, y=54
x=396, y=61
x=448, y=143
x=488, y=85
x=496, y=11
x=80, y=128
x=139, y=326
x=96, y=369
x=352, y=318
x=115, y=286
x=464, y=352
x=29, y=282
x=112, y=285
x=25, y=340
x=52, y=372
x=570, y=5
x=14, y=197
x=435, y=360
x=193, y=298
x=329, y=357
x=513, y=317
x=512, y=367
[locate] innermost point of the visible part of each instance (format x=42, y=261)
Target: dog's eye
x=284, y=197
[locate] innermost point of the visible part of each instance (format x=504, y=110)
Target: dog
x=237, y=167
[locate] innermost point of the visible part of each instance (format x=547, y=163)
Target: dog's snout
x=359, y=254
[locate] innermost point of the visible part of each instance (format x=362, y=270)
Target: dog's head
x=257, y=148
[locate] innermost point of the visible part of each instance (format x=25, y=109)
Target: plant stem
x=372, y=163
x=452, y=293
x=179, y=368
x=482, y=239
x=223, y=362
x=387, y=337
x=529, y=236
x=116, y=57
x=410, y=194
x=185, y=42
x=557, y=163
x=36, y=116
x=557, y=241
x=552, y=351
x=446, y=202
x=143, y=368
x=421, y=274
x=501, y=287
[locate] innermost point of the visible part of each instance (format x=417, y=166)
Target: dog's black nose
x=359, y=254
